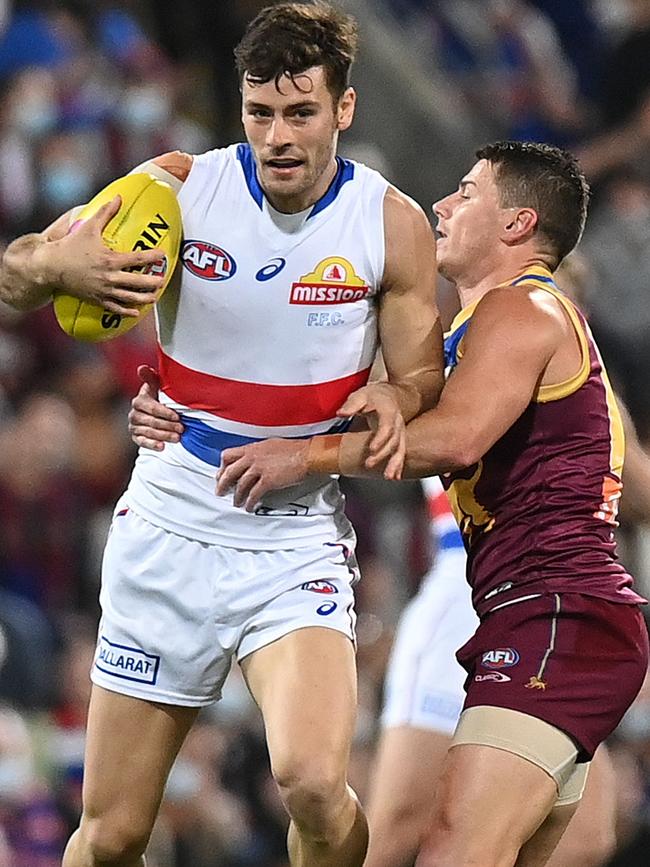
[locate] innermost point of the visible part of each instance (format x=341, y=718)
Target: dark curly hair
x=546, y=178
x=288, y=38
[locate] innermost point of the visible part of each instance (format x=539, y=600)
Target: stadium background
x=89, y=89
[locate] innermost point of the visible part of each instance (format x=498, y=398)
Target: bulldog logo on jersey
x=207, y=261
x=333, y=281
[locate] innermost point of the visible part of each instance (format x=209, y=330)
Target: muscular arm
x=38, y=264
x=507, y=348
x=26, y=275
x=409, y=321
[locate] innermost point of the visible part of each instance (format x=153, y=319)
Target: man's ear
x=345, y=109
x=520, y=226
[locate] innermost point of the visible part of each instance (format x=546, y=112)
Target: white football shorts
x=175, y=612
x=424, y=682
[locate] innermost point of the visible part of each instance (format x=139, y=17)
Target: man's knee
x=114, y=839
x=453, y=840
x=314, y=791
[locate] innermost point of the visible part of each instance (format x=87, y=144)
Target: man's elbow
x=462, y=454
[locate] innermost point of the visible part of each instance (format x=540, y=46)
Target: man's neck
x=471, y=291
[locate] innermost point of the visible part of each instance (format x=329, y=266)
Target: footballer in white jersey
x=295, y=265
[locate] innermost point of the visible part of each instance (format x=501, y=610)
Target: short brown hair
x=288, y=38
x=547, y=179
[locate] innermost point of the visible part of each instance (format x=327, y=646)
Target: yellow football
x=149, y=217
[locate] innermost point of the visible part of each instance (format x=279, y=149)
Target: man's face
x=293, y=132
x=469, y=225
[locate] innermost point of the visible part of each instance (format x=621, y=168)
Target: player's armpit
x=409, y=320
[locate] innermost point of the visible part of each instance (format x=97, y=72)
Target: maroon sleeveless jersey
x=538, y=511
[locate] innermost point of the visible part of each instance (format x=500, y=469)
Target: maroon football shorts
x=576, y=662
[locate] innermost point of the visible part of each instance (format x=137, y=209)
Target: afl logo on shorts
x=502, y=657
x=324, y=587
x=207, y=261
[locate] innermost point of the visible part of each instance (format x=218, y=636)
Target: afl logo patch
x=502, y=657
x=325, y=587
x=207, y=261
x=271, y=269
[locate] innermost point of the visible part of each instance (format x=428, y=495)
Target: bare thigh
x=591, y=836
x=490, y=801
x=305, y=685
x=407, y=769
x=131, y=745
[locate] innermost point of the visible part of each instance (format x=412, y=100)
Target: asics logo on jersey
x=333, y=281
x=207, y=261
x=271, y=269
x=502, y=657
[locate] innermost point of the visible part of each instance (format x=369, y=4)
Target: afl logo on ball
x=502, y=657
x=207, y=261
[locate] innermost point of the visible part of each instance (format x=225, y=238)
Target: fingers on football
x=124, y=302
x=143, y=284
x=105, y=214
x=137, y=258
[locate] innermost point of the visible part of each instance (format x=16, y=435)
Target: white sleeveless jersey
x=446, y=538
x=272, y=326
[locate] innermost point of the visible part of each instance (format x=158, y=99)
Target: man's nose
x=441, y=207
x=278, y=134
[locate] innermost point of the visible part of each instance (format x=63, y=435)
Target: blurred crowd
x=88, y=89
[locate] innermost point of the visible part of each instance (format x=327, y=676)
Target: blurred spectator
x=617, y=243
x=41, y=514
x=30, y=821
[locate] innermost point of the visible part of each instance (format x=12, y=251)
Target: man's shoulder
x=179, y=164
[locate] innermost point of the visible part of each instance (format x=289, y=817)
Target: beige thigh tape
x=528, y=737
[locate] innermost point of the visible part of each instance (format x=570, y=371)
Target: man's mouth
x=283, y=163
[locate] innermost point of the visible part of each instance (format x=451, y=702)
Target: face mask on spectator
x=66, y=184
x=144, y=108
x=15, y=776
x=34, y=117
